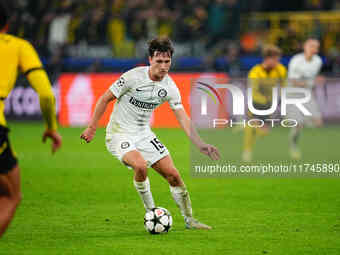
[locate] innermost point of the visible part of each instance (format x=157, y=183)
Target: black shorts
x=7, y=158
x=260, y=107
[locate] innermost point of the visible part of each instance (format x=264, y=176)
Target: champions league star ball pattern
x=158, y=220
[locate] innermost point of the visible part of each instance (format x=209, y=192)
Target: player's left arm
x=191, y=132
x=320, y=79
x=283, y=76
x=175, y=102
x=32, y=68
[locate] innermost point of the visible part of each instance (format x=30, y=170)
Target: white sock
x=294, y=136
x=182, y=199
x=143, y=188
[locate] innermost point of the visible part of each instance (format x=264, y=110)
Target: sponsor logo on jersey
x=141, y=104
x=162, y=93
x=125, y=145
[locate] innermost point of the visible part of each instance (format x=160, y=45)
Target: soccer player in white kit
x=129, y=137
x=303, y=69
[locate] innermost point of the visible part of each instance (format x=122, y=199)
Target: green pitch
x=82, y=201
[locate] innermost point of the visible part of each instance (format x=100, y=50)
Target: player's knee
x=174, y=178
x=318, y=123
x=141, y=169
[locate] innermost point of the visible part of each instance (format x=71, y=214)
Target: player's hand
x=210, y=151
x=88, y=134
x=56, y=139
x=320, y=80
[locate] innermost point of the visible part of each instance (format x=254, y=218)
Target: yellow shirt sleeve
x=283, y=71
x=28, y=58
x=30, y=64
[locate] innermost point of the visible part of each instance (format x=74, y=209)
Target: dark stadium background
x=224, y=36
x=220, y=35
x=82, y=201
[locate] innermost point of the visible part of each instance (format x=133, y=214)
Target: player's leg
x=10, y=194
x=165, y=167
x=123, y=148
x=316, y=113
x=294, y=136
x=318, y=122
x=248, y=143
x=251, y=133
x=141, y=182
x=295, y=132
x=10, y=197
x=262, y=131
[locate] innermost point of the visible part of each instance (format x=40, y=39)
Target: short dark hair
x=161, y=44
x=4, y=15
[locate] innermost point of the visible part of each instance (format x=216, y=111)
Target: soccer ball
x=158, y=220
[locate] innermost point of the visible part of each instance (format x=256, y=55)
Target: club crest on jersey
x=125, y=145
x=121, y=82
x=162, y=93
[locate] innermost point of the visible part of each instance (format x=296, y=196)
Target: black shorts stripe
x=32, y=70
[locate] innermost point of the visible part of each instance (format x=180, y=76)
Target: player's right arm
x=31, y=66
x=99, y=110
x=117, y=89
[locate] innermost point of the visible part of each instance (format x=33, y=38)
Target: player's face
x=272, y=62
x=160, y=64
x=311, y=47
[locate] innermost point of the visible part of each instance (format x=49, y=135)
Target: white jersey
x=301, y=69
x=137, y=97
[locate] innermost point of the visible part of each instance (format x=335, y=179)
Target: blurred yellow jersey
x=262, y=82
x=18, y=54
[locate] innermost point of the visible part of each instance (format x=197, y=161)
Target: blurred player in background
x=17, y=54
x=263, y=78
x=303, y=69
x=128, y=135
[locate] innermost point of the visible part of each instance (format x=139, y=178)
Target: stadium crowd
x=122, y=23
x=117, y=28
